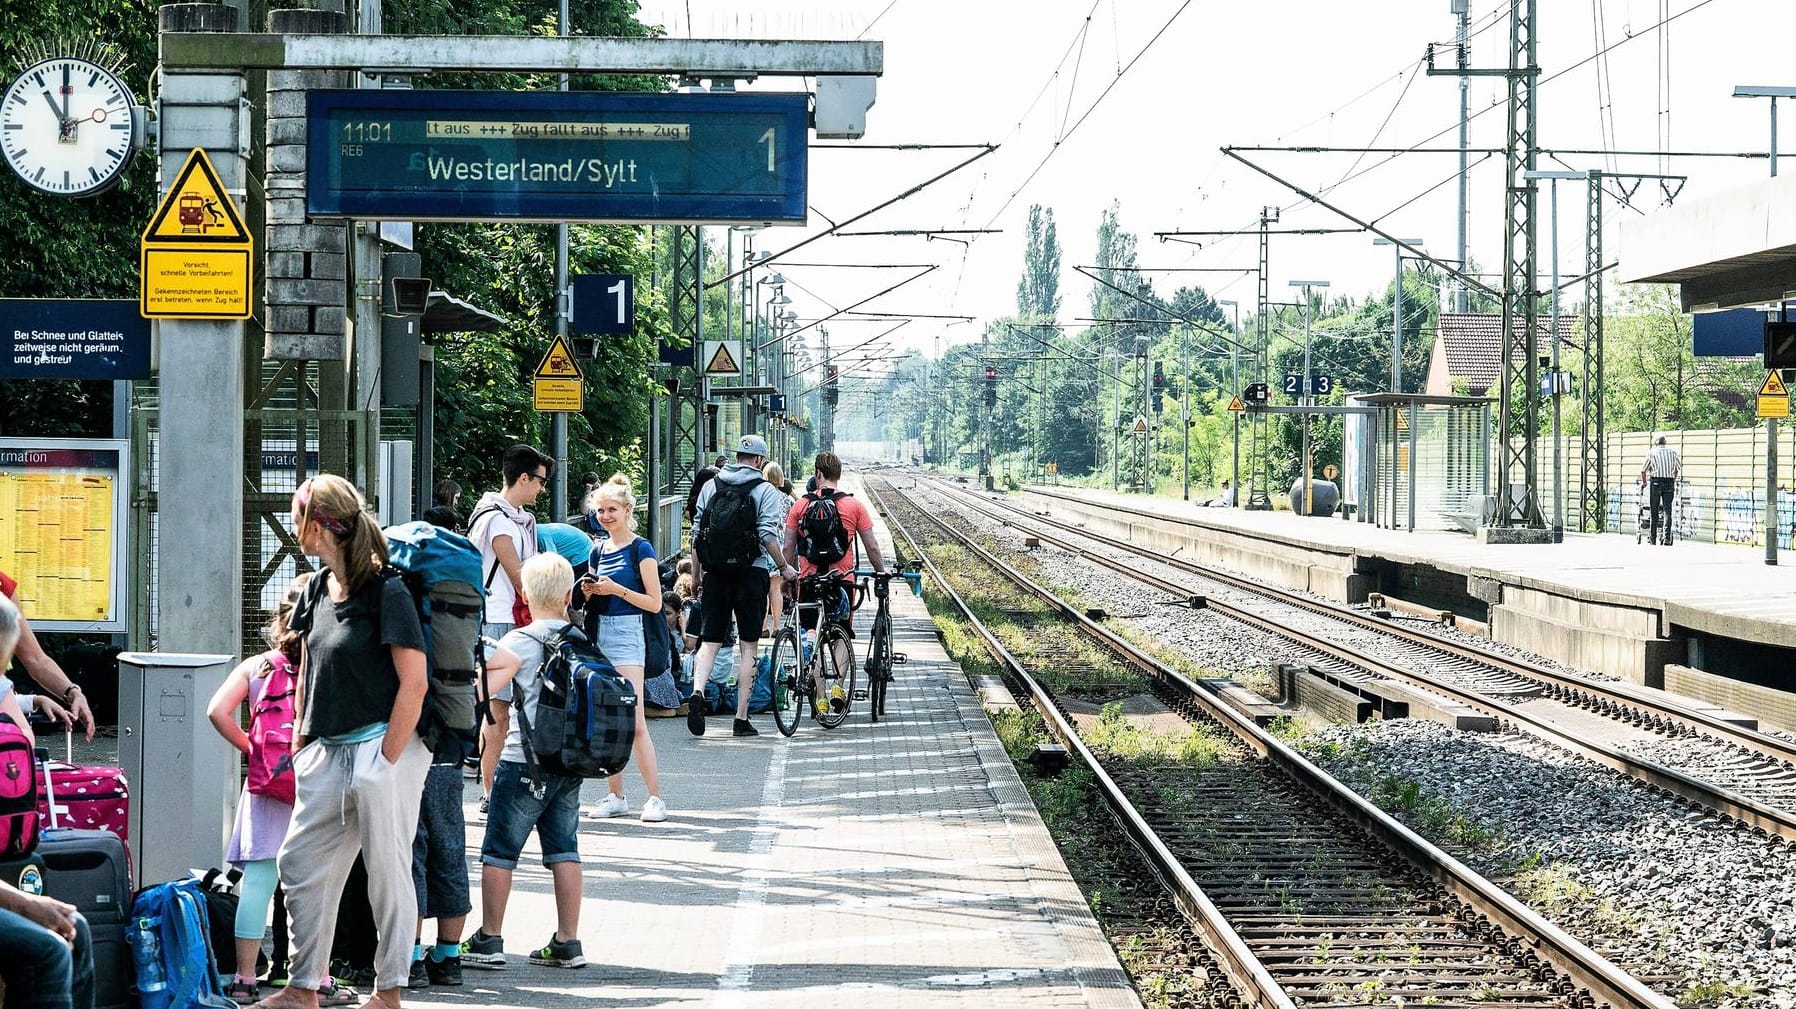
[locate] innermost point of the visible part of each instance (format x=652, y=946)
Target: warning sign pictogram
x=720, y=359
x=1402, y=421
x=1774, y=397
x=1236, y=406
x=1140, y=426
x=558, y=362
x=196, y=210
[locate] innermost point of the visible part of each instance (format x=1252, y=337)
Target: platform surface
x=898, y=864
x=1724, y=590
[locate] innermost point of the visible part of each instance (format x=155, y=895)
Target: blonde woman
x=625, y=581
x=359, y=766
x=776, y=598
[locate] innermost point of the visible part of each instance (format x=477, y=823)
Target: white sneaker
x=654, y=810
x=610, y=806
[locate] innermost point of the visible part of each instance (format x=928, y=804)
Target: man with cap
x=737, y=594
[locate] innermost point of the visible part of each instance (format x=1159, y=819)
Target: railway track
x=1305, y=893
x=1743, y=774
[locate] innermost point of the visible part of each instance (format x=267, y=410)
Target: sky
x=1094, y=101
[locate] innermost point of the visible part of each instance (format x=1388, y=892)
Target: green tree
x=1038, y=293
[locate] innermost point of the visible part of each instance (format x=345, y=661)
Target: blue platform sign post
x=50, y=338
x=558, y=156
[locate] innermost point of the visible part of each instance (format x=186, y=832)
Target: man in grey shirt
x=737, y=594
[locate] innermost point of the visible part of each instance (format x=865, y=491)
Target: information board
x=557, y=156
x=62, y=530
x=55, y=338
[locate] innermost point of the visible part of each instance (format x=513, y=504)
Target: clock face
x=66, y=127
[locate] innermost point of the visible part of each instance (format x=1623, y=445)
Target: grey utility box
x=183, y=775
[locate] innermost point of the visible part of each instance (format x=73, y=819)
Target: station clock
x=69, y=127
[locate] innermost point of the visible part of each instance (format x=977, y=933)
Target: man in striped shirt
x=1660, y=471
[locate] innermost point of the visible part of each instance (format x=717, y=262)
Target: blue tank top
x=623, y=567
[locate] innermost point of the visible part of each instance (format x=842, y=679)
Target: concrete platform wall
x=1329, y=573
x=1775, y=708
x=1601, y=637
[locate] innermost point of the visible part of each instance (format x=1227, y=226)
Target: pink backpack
x=19, y=819
x=271, y=727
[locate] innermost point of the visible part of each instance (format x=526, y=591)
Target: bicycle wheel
x=879, y=665
x=788, y=700
x=835, y=685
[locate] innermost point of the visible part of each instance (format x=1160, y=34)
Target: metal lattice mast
x=685, y=448
x=1591, y=487
x=1517, y=430
x=1262, y=341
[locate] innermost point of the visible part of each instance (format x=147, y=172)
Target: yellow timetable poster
x=58, y=523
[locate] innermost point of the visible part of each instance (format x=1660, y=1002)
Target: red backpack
x=271, y=725
x=19, y=819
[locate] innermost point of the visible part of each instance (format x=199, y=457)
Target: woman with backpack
x=360, y=768
x=265, y=809
x=624, y=585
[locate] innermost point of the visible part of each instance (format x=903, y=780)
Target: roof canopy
x=1725, y=251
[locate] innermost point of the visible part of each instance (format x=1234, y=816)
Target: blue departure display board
x=557, y=156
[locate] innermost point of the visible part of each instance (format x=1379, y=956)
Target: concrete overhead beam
x=417, y=54
x=1730, y=249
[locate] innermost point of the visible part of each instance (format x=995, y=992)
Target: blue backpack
x=171, y=948
x=442, y=571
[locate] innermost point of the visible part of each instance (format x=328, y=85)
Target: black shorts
x=732, y=595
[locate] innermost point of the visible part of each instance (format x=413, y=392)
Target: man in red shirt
x=812, y=550
x=43, y=669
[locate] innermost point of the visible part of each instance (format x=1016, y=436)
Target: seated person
x=48, y=960
x=1226, y=499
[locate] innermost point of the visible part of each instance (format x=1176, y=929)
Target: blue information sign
x=45, y=338
x=1739, y=332
x=557, y=156
x=604, y=303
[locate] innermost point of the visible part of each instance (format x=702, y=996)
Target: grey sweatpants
x=350, y=800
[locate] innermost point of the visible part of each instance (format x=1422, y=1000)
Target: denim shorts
x=620, y=638
x=513, y=809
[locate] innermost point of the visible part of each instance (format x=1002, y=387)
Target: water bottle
x=149, y=958
x=809, y=640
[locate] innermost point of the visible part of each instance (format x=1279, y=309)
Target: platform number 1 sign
x=603, y=304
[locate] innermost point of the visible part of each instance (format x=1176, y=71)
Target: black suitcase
x=88, y=868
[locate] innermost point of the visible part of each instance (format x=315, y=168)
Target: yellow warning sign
x=1236, y=406
x=559, y=395
x=1402, y=421
x=1774, y=397
x=1140, y=426
x=558, y=362
x=720, y=358
x=195, y=257
x=196, y=209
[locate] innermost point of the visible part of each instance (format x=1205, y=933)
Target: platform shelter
x=1419, y=461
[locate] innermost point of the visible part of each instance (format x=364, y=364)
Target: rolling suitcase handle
x=43, y=760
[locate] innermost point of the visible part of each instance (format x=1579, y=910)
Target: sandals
x=333, y=993
x=242, y=992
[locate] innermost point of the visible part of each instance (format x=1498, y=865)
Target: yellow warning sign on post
x=1140, y=426
x=558, y=387
x=1236, y=406
x=1774, y=398
x=195, y=254
x=558, y=362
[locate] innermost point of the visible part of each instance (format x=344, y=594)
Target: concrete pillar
x=200, y=451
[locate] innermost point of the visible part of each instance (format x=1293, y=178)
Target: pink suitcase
x=85, y=798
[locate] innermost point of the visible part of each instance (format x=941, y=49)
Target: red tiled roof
x=1474, y=345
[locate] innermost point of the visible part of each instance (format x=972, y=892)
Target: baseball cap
x=752, y=444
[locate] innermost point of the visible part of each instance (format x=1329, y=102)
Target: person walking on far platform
x=1660, y=473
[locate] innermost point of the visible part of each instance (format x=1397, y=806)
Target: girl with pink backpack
x=267, y=681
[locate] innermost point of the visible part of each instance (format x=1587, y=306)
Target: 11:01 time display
x=370, y=132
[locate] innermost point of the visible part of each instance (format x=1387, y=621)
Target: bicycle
x=815, y=678
x=881, y=657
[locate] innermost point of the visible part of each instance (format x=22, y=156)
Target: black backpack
x=821, y=538
x=585, y=720
x=729, y=536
